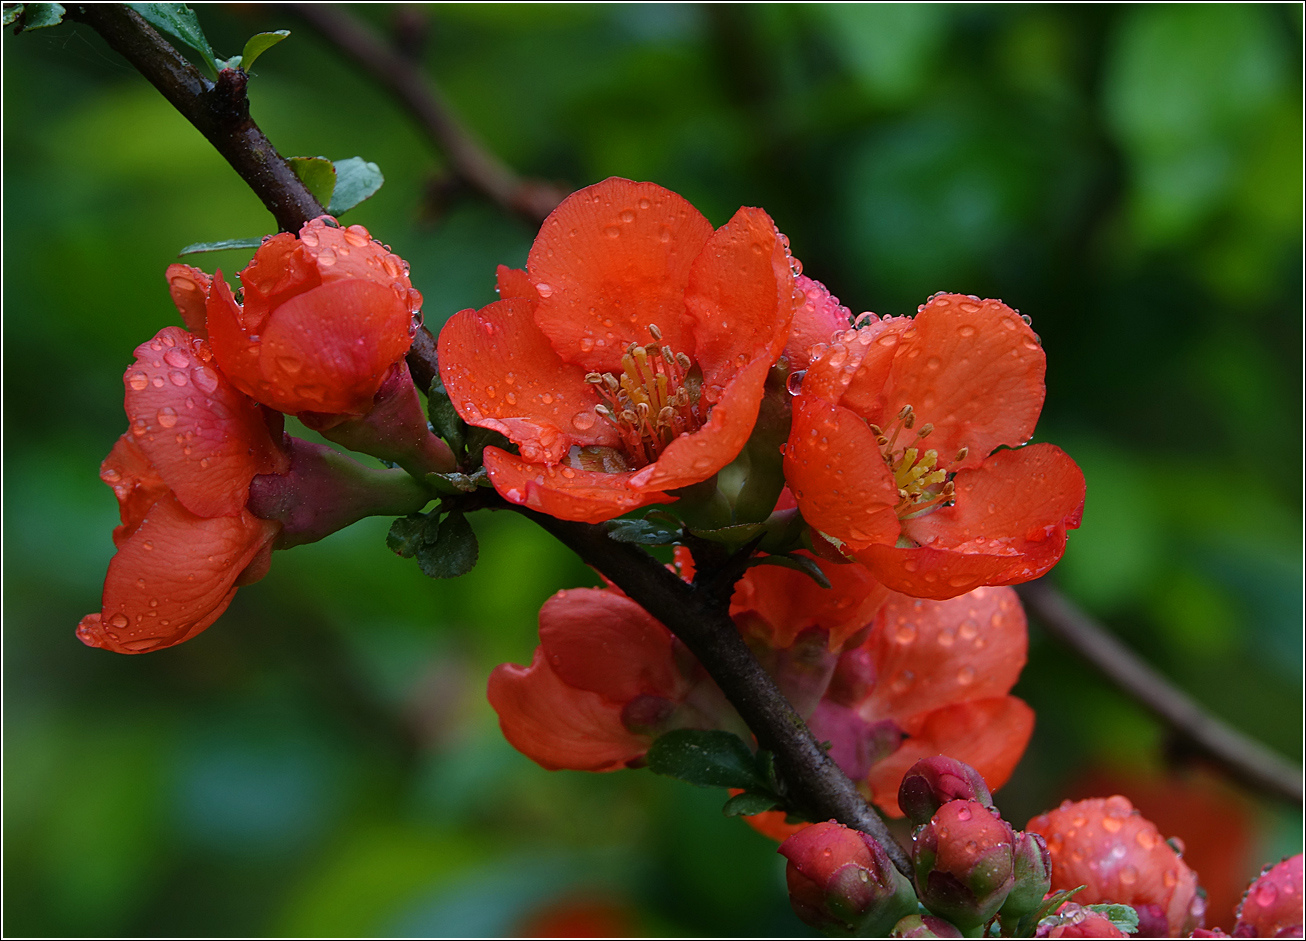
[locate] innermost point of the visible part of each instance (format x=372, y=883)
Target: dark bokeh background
x=323, y=761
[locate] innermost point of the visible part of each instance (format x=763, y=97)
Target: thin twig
x=468, y=157
x=1243, y=758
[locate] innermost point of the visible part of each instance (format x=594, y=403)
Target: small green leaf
x=11, y=12
x=444, y=417
x=409, y=533
x=356, y=180
x=454, y=551
x=258, y=44
x=179, y=21
x=645, y=532
x=221, y=246
x=706, y=758
x=41, y=15
x=801, y=563
x=1054, y=901
x=316, y=173
x=749, y=803
x=1124, y=917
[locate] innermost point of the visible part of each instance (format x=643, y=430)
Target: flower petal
x=205, y=439
x=610, y=260
x=816, y=320
x=173, y=577
x=603, y=642
x=558, y=726
x=502, y=373
x=189, y=288
x=514, y=282
x=1008, y=526
x=834, y=469
x=974, y=370
x=789, y=602
x=567, y=493
x=853, y=370
x=931, y=654
x=990, y=735
x=135, y=483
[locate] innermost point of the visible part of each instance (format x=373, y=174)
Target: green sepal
x=749, y=803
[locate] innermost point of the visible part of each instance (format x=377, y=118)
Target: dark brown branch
x=700, y=618
x=468, y=157
x=219, y=111
x=1241, y=757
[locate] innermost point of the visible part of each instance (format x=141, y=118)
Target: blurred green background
x=323, y=760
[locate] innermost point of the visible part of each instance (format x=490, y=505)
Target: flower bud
x=1075, y=921
x=965, y=862
x=1272, y=907
x=925, y=926
x=932, y=782
x=842, y=881
x=1033, y=873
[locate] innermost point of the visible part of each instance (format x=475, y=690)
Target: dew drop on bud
x=794, y=384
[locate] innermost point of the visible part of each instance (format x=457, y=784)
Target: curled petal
x=568, y=493
x=610, y=260
x=173, y=577
x=135, y=483
x=974, y=370
x=603, y=642
x=189, y=288
x=833, y=467
x=558, y=726
x=931, y=654
x=789, y=602
x=817, y=318
x=990, y=735
x=205, y=439
x=502, y=373
x=853, y=370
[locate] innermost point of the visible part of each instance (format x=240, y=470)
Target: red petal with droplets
x=610, y=260
x=205, y=439
x=789, y=602
x=570, y=494
x=990, y=735
x=189, y=288
x=514, y=282
x=816, y=320
x=135, y=483
x=930, y=654
x=277, y=272
x=502, y=373
x=833, y=467
x=558, y=726
x=974, y=370
x=603, y=642
x=173, y=577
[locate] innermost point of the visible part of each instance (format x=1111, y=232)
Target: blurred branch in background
x=397, y=70
x=1244, y=758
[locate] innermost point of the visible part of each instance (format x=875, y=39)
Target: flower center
x=655, y=400
x=923, y=483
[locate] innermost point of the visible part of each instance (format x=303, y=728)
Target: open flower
x=629, y=358
x=326, y=315
x=182, y=475
x=892, y=450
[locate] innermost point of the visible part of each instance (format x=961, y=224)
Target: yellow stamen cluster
x=922, y=482
x=653, y=402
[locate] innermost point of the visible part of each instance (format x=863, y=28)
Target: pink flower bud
x=965, y=862
x=1272, y=907
x=925, y=926
x=1033, y=872
x=932, y=782
x=842, y=880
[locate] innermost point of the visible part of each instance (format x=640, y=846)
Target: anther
x=684, y=361
x=643, y=410
x=594, y=378
x=654, y=331
x=611, y=381
x=925, y=430
x=961, y=455
x=666, y=416
x=909, y=420
x=604, y=411
x=629, y=417
x=904, y=412
x=668, y=355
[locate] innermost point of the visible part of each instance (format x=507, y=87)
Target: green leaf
x=645, y=532
x=41, y=15
x=800, y=563
x=258, y=44
x=11, y=13
x=221, y=246
x=409, y=533
x=706, y=758
x=749, y=803
x=179, y=21
x=453, y=552
x=356, y=180
x=1050, y=905
x=316, y=173
x=444, y=417
x=1124, y=917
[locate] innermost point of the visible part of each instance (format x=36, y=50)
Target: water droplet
x=664, y=235
x=1128, y=875
x=1169, y=879
x=905, y=632
x=586, y=344
x=206, y=379
x=176, y=358
x=138, y=381
x=326, y=258
x=167, y=417
x=148, y=546
x=947, y=637
x=838, y=356
x=157, y=382
x=963, y=813
x=966, y=330
x=627, y=215
x=1146, y=839
x=794, y=384
x=178, y=378
x=1111, y=824
x=119, y=621
x=511, y=398
x=966, y=676
x=644, y=204
x=138, y=427
x=583, y=421
x=612, y=232
x=357, y=236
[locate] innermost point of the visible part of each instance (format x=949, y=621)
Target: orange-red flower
x=181, y=475
x=1272, y=907
x=629, y=358
x=326, y=315
x=1107, y=846
x=892, y=450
